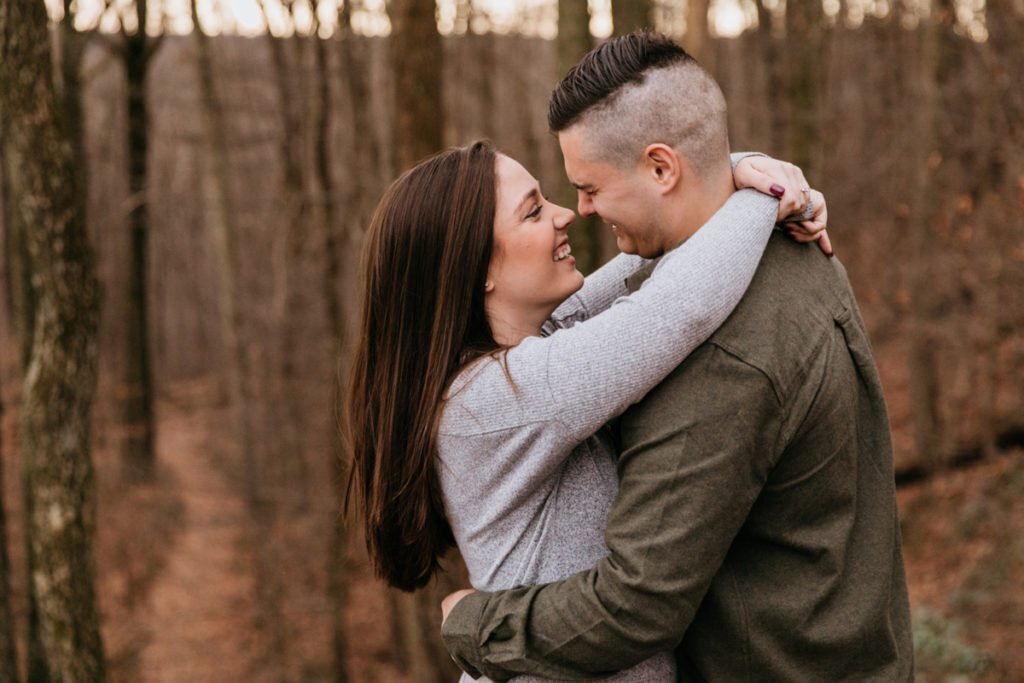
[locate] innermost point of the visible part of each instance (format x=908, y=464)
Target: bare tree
x=574, y=41
x=8, y=654
x=696, y=39
x=138, y=454
x=804, y=62
x=222, y=222
x=287, y=58
x=416, y=63
x=630, y=15
x=20, y=298
x=367, y=175
x=61, y=378
x=923, y=59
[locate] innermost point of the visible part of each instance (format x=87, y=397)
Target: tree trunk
x=18, y=270
x=61, y=377
x=804, y=61
x=416, y=59
x=922, y=59
x=574, y=41
x=771, y=48
x=135, y=392
x=8, y=655
x=135, y=399
x=291, y=94
x=696, y=40
x=342, y=246
x=334, y=246
x=630, y=15
x=222, y=218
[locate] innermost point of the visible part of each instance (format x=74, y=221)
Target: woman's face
x=531, y=270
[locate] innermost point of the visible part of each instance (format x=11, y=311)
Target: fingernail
x=777, y=190
x=831, y=254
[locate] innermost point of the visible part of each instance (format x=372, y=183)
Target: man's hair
x=639, y=89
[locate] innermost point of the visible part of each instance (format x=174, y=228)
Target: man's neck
x=695, y=206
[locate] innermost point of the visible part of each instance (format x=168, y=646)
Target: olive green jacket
x=755, y=531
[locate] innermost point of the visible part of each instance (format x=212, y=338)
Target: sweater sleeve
x=600, y=290
x=593, y=371
x=606, y=284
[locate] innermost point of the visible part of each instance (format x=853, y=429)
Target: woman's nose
x=564, y=219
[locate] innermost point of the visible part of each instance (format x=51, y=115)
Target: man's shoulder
x=792, y=304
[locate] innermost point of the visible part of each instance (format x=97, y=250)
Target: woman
x=486, y=369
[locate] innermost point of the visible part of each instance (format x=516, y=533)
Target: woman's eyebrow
x=532, y=194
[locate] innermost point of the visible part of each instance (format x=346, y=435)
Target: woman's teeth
x=563, y=252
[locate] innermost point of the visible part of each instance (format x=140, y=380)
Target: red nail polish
x=777, y=190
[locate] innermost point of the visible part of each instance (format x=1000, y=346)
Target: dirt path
x=198, y=607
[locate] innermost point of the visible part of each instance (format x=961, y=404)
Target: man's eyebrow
x=533, y=193
x=582, y=187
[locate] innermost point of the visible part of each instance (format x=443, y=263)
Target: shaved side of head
x=639, y=89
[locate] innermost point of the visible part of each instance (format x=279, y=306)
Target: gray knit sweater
x=526, y=467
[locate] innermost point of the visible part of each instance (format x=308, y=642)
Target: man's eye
x=535, y=212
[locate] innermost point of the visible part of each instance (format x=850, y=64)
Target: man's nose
x=584, y=206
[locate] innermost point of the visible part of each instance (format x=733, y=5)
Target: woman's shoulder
x=504, y=390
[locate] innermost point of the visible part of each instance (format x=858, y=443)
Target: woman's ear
x=664, y=165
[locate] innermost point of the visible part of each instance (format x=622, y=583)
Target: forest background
x=182, y=215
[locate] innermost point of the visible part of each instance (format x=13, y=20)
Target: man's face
x=625, y=199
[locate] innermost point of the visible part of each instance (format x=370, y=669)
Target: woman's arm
x=598, y=368
x=760, y=172
x=584, y=375
x=600, y=290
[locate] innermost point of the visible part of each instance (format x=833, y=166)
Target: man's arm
x=698, y=450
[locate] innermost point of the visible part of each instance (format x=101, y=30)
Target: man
x=755, y=531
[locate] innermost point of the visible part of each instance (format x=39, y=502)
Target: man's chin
x=625, y=245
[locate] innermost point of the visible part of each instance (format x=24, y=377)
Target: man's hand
x=448, y=604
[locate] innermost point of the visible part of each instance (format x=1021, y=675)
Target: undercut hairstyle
x=639, y=89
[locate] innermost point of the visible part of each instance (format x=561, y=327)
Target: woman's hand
x=802, y=210
x=810, y=225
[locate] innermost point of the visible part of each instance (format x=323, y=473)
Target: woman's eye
x=535, y=212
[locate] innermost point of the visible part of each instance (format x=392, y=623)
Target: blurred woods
x=224, y=183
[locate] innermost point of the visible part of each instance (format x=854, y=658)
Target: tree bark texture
x=8, y=654
x=135, y=393
x=61, y=377
x=416, y=59
x=18, y=284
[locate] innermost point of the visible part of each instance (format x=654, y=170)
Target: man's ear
x=664, y=165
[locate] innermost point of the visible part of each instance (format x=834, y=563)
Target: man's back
x=763, y=469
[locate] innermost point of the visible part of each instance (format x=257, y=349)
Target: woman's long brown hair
x=426, y=258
